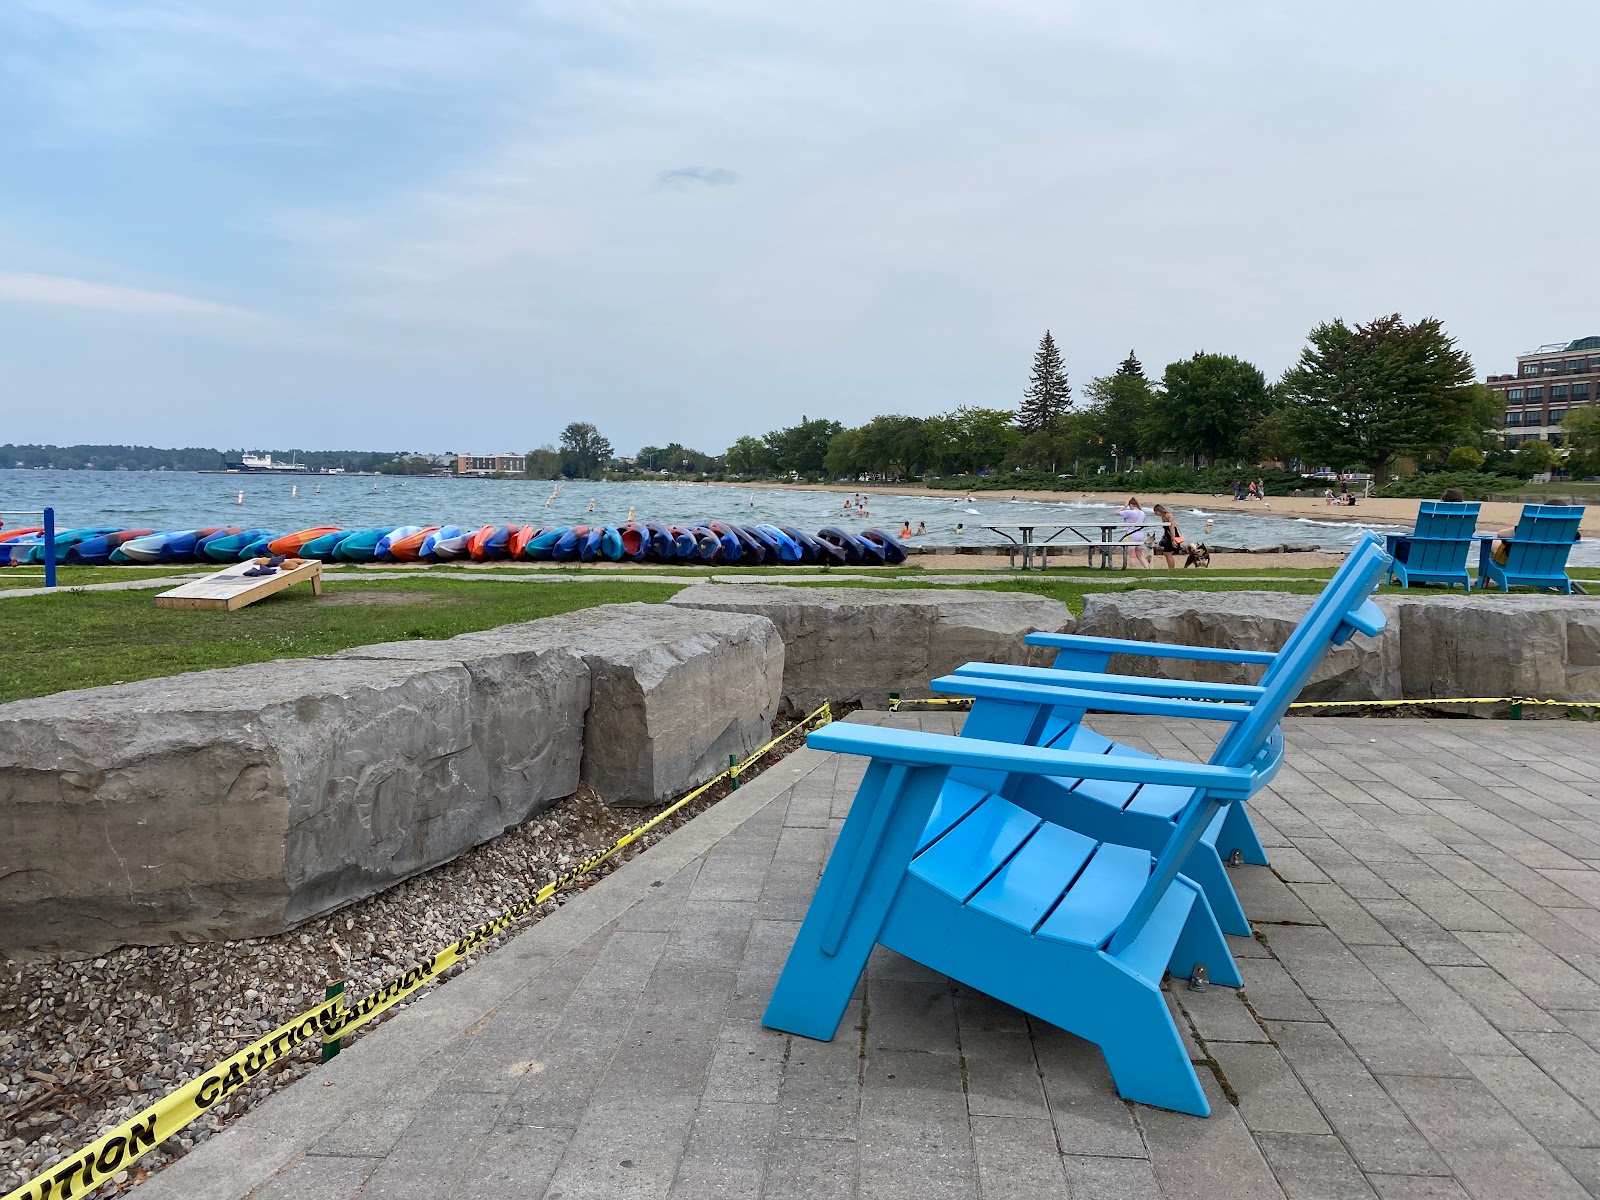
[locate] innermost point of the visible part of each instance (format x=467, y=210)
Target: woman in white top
x=1132, y=514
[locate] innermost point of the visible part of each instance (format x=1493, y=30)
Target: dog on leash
x=1198, y=556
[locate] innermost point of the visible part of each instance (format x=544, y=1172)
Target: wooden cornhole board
x=231, y=588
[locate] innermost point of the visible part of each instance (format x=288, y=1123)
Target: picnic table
x=1034, y=551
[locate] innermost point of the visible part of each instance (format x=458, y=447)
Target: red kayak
x=520, y=540
x=409, y=549
x=289, y=544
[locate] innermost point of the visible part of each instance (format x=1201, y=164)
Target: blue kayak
x=854, y=550
x=324, y=546
x=360, y=546
x=589, y=545
x=543, y=544
x=660, y=542
x=95, y=551
x=15, y=552
x=173, y=546
x=445, y=533
x=231, y=547
x=566, y=547
x=889, y=547
x=381, y=550
x=810, y=548
x=788, y=549
x=709, y=543
x=610, y=544
x=732, y=547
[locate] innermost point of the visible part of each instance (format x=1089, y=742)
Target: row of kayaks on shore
x=718, y=542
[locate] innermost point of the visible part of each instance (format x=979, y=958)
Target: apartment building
x=489, y=464
x=1548, y=382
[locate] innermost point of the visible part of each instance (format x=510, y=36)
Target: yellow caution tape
x=84, y=1170
x=895, y=701
x=1442, y=700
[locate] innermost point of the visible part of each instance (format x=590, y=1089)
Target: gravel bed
x=85, y=1045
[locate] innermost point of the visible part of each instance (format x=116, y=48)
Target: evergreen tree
x=1048, y=394
x=1131, y=366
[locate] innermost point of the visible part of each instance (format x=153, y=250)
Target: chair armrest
x=1100, y=645
x=1133, y=685
x=1059, y=697
x=914, y=748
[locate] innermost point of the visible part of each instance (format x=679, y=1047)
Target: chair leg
x=1205, y=867
x=815, y=989
x=1239, y=833
x=1145, y=1054
x=1202, y=942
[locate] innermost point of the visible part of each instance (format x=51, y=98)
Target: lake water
x=180, y=500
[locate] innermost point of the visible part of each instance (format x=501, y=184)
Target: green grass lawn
x=33, y=576
x=85, y=639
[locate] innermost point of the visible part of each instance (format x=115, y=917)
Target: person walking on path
x=1171, y=542
x=1132, y=514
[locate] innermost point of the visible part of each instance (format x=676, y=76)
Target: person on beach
x=1132, y=514
x=1171, y=542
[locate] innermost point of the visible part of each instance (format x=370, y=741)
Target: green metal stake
x=733, y=771
x=894, y=701
x=330, y=1049
x=1516, y=710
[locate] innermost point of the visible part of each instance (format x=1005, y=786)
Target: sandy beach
x=1498, y=515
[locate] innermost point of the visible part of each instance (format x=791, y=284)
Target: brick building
x=1548, y=382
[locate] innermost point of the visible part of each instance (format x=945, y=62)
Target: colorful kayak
x=566, y=547
x=289, y=544
x=732, y=547
x=324, y=546
x=890, y=547
x=661, y=545
x=543, y=546
x=846, y=541
x=409, y=548
x=174, y=546
x=520, y=540
x=361, y=546
x=683, y=543
x=492, y=541
x=710, y=545
x=96, y=551
x=65, y=539
x=381, y=553
x=811, y=549
x=16, y=551
x=227, y=548
x=635, y=541
x=788, y=549
x=448, y=544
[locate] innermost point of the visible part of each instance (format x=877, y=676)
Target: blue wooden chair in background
x=1536, y=554
x=935, y=862
x=1144, y=816
x=1436, y=550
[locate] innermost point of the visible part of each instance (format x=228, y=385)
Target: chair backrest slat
x=1543, y=539
x=1442, y=538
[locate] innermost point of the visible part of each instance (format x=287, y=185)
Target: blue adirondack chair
x=935, y=863
x=1436, y=550
x=1145, y=816
x=1536, y=555
x=959, y=853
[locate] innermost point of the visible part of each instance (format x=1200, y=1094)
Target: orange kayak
x=290, y=543
x=409, y=549
x=521, y=538
x=492, y=541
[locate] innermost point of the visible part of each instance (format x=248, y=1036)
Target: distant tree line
x=192, y=458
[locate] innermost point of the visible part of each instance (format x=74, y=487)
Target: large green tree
x=1118, y=406
x=802, y=448
x=543, y=463
x=1366, y=394
x=584, y=450
x=1580, y=431
x=750, y=456
x=1204, y=405
x=1048, y=395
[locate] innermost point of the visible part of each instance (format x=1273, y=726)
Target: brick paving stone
x=1271, y=1098
x=1490, y=1154
x=1111, y=1178
x=1376, y=1131
x=1017, y=1158
x=1420, y=1019
x=1313, y=1166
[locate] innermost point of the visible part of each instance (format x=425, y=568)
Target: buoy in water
x=294, y=491
x=240, y=500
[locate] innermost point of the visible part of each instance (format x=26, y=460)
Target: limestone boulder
x=1362, y=669
x=860, y=644
x=239, y=802
x=1538, y=646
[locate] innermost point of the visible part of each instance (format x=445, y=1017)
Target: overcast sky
x=398, y=223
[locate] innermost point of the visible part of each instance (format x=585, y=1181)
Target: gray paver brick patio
x=1419, y=1020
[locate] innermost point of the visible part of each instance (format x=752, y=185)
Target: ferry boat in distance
x=264, y=464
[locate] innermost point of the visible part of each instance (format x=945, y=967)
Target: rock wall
x=859, y=644
x=1362, y=669
x=1435, y=647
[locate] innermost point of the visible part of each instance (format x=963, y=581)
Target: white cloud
x=61, y=292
